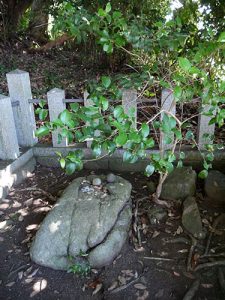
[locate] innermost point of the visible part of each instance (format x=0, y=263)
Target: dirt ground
x=153, y=266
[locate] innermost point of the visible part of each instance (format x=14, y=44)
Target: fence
x=17, y=118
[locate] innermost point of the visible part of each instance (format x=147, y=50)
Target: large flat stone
x=85, y=219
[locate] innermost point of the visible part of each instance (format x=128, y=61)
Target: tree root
x=192, y=290
x=215, y=224
x=210, y=264
x=190, y=254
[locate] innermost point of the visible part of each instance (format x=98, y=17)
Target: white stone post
x=168, y=103
x=9, y=148
x=129, y=102
x=56, y=106
x=20, y=91
x=204, y=128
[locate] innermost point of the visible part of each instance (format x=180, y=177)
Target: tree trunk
x=12, y=12
x=38, y=27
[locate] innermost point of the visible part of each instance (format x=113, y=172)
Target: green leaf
x=222, y=37
x=74, y=106
x=203, y=174
x=65, y=116
x=43, y=113
x=134, y=137
x=121, y=139
x=101, y=12
x=108, y=48
x=182, y=155
x=108, y=7
x=42, y=131
x=177, y=92
x=70, y=168
x=120, y=41
x=118, y=111
x=127, y=156
x=184, y=63
x=149, y=170
x=97, y=149
x=149, y=143
x=145, y=130
x=106, y=81
x=62, y=163
x=104, y=102
x=189, y=135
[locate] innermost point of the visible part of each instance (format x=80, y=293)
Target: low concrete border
x=15, y=172
x=18, y=170
x=46, y=155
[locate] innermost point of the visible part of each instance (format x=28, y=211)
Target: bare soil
x=132, y=275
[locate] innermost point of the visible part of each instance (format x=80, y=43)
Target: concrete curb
x=16, y=171
x=46, y=155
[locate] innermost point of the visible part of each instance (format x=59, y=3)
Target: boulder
x=86, y=219
x=180, y=184
x=191, y=218
x=215, y=186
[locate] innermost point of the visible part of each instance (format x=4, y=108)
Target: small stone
x=191, y=218
x=215, y=186
x=96, y=181
x=156, y=215
x=111, y=178
x=180, y=184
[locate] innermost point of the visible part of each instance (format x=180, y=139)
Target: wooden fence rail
x=17, y=119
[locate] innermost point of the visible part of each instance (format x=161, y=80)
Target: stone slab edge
x=16, y=171
x=46, y=155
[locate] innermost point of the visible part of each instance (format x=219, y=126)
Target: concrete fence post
x=204, y=128
x=129, y=102
x=168, y=103
x=9, y=148
x=20, y=91
x=56, y=106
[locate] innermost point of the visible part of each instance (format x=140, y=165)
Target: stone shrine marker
x=92, y=216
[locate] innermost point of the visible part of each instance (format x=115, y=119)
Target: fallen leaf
x=140, y=286
x=179, y=230
x=94, y=283
x=183, y=251
x=207, y=285
x=113, y=285
x=33, y=273
x=155, y=234
x=10, y=284
x=176, y=274
x=97, y=289
x=20, y=275
x=122, y=280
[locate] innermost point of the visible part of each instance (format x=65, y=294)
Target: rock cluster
x=180, y=185
x=92, y=216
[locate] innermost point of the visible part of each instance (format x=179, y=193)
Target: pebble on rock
x=96, y=181
x=111, y=178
